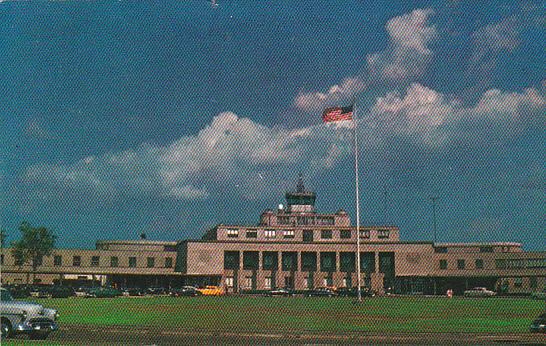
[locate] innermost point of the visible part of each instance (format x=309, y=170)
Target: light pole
x=434, y=199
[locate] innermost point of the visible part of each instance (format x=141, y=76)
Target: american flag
x=337, y=114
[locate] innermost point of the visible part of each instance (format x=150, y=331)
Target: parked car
x=104, y=292
x=320, y=292
x=83, y=292
x=25, y=318
x=61, y=291
x=156, y=290
x=352, y=292
x=19, y=291
x=479, y=292
x=539, y=324
x=211, y=291
x=40, y=292
x=133, y=292
x=185, y=291
x=539, y=295
x=279, y=292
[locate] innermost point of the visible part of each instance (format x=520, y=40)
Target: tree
x=34, y=245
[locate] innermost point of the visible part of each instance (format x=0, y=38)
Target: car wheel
x=5, y=329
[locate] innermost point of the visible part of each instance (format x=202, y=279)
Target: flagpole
x=358, y=290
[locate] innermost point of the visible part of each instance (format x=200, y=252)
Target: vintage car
x=539, y=324
x=104, y=292
x=184, y=291
x=157, y=291
x=539, y=295
x=479, y=292
x=133, y=292
x=321, y=292
x=279, y=292
x=19, y=317
x=40, y=292
x=353, y=292
x=211, y=291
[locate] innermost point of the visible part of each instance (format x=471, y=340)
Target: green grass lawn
x=280, y=314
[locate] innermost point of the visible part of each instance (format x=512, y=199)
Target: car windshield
x=5, y=296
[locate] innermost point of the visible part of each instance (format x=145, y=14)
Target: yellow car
x=211, y=291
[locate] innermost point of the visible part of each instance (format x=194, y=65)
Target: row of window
x=530, y=263
x=95, y=261
x=306, y=220
x=461, y=264
x=533, y=263
x=483, y=249
x=307, y=234
x=325, y=261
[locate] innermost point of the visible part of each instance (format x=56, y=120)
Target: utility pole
x=434, y=199
x=385, y=205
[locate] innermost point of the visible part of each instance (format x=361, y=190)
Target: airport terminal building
x=298, y=248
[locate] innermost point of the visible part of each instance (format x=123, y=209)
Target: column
x=279, y=276
x=260, y=274
x=338, y=276
x=240, y=274
x=299, y=277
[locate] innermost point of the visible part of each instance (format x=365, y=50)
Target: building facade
x=121, y=263
x=294, y=247
x=301, y=249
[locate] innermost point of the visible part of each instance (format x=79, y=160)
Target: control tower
x=301, y=200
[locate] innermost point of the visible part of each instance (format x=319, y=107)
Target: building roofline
x=303, y=243
x=478, y=244
x=135, y=242
x=308, y=226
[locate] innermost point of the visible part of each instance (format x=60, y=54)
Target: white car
x=479, y=292
x=25, y=318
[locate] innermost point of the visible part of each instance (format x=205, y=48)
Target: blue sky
x=124, y=117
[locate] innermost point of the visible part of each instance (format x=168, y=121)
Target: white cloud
x=494, y=40
x=497, y=104
x=188, y=192
x=335, y=94
x=230, y=152
x=406, y=57
x=234, y=154
x=497, y=37
x=35, y=129
x=408, y=53
x=433, y=118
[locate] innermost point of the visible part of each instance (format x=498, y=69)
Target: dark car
x=19, y=292
x=352, y=292
x=61, y=291
x=321, y=292
x=539, y=295
x=539, y=325
x=185, y=291
x=83, y=292
x=104, y=292
x=133, y=292
x=156, y=290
